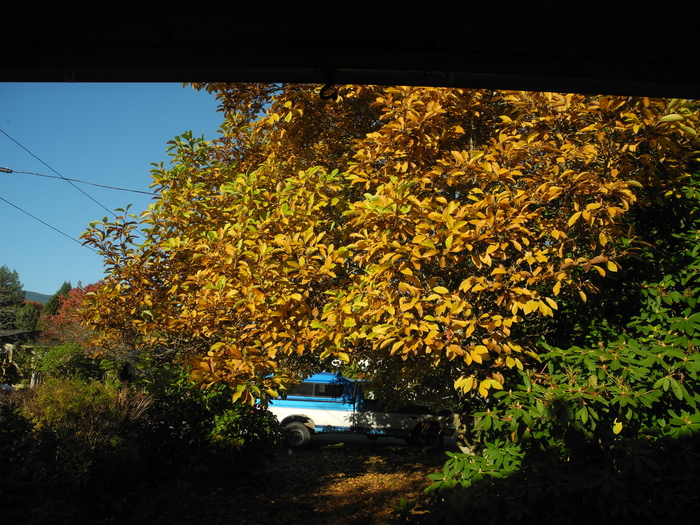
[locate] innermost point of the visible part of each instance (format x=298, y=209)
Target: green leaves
x=612, y=391
x=673, y=117
x=498, y=460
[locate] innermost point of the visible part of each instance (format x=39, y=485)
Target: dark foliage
x=81, y=451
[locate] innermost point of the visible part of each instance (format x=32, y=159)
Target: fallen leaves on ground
x=339, y=484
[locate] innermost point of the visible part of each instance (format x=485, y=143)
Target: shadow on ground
x=354, y=481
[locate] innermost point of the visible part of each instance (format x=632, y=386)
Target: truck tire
x=430, y=439
x=297, y=435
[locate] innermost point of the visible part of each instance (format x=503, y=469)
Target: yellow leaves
x=430, y=251
x=465, y=384
x=586, y=215
x=529, y=302
x=405, y=288
x=479, y=354
x=550, y=192
x=488, y=384
x=240, y=393
x=540, y=306
x=552, y=305
x=454, y=351
x=458, y=156
x=598, y=269
x=617, y=426
x=405, y=305
x=512, y=362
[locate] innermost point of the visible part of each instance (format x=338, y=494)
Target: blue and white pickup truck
x=332, y=403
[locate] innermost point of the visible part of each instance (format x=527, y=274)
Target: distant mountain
x=38, y=297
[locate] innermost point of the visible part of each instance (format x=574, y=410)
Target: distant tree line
x=18, y=313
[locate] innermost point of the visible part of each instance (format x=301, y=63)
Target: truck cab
x=332, y=403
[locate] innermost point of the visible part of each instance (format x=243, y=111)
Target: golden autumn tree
x=418, y=231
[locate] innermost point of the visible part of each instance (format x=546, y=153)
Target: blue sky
x=105, y=134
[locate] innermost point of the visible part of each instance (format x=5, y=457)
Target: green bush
x=67, y=361
x=99, y=414
x=68, y=450
x=591, y=435
x=197, y=432
x=78, y=450
x=595, y=434
x=641, y=483
x=18, y=446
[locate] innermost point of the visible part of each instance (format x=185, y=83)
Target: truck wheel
x=430, y=440
x=297, y=435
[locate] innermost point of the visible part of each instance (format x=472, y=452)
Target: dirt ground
x=339, y=483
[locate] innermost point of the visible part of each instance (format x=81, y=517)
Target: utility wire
x=57, y=173
x=8, y=170
x=47, y=224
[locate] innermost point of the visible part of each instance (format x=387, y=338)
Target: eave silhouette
x=607, y=49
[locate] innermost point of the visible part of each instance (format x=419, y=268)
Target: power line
x=57, y=173
x=47, y=224
x=8, y=170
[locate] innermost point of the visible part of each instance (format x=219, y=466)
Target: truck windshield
x=318, y=390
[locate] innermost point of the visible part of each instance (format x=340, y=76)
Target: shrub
x=77, y=450
x=68, y=451
x=196, y=431
x=18, y=446
x=67, y=361
x=594, y=434
x=639, y=483
x=99, y=414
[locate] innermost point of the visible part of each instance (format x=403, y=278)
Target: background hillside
x=38, y=297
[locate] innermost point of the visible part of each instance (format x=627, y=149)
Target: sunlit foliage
x=421, y=230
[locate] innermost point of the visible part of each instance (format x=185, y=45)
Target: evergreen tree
x=11, y=297
x=27, y=315
x=52, y=305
